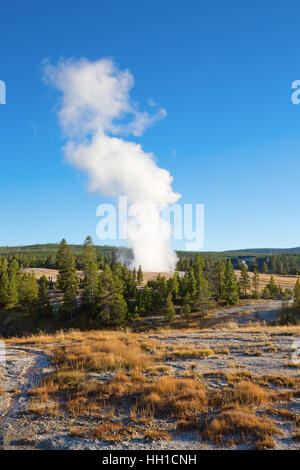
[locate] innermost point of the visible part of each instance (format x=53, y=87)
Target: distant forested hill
x=277, y=260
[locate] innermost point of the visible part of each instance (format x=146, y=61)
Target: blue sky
x=222, y=70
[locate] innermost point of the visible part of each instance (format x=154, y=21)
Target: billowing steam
x=95, y=108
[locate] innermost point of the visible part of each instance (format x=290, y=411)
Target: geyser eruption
x=95, y=109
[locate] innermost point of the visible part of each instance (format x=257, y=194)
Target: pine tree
x=186, y=310
x=169, y=310
x=265, y=268
x=27, y=292
x=272, y=286
x=66, y=265
x=43, y=304
x=296, y=302
x=90, y=272
x=139, y=276
x=266, y=293
x=111, y=306
x=230, y=285
x=191, y=284
x=144, y=301
x=203, y=295
x=255, y=284
x=244, y=280
x=4, y=283
x=67, y=278
x=218, y=278
x=12, y=293
x=129, y=284
x=173, y=286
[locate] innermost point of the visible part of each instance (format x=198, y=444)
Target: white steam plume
x=95, y=107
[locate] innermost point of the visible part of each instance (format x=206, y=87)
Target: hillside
x=48, y=248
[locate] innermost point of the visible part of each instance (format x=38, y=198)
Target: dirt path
x=20, y=369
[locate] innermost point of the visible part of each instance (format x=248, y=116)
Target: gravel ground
x=259, y=353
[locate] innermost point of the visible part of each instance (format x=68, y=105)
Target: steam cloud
x=95, y=108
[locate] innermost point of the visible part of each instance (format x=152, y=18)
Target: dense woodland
x=45, y=256
x=107, y=293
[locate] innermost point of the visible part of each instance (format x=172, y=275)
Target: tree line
x=109, y=294
x=45, y=256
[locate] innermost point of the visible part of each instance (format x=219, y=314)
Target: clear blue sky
x=223, y=71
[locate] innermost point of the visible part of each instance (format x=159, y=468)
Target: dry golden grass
x=248, y=393
x=266, y=442
x=283, y=280
x=236, y=375
x=98, y=372
x=50, y=409
x=157, y=435
x=296, y=436
x=186, y=425
x=286, y=414
x=279, y=380
x=107, y=431
x=189, y=353
x=101, y=355
x=178, y=397
x=241, y=424
x=141, y=415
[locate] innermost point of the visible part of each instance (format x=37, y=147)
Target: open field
x=234, y=386
x=283, y=280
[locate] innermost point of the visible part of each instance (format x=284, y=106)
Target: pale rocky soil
x=259, y=352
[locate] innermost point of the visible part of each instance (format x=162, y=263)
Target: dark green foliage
x=4, y=283
x=169, y=310
x=43, y=304
x=230, y=291
x=67, y=279
x=90, y=273
x=111, y=305
x=244, y=280
x=139, y=276
x=255, y=283
x=27, y=292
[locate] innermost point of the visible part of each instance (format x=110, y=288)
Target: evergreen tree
x=144, y=301
x=139, y=276
x=203, y=295
x=27, y=292
x=169, y=310
x=255, y=284
x=265, y=268
x=159, y=292
x=111, y=307
x=43, y=304
x=173, y=286
x=4, y=283
x=296, y=302
x=129, y=284
x=191, y=284
x=244, y=280
x=186, y=310
x=12, y=293
x=272, y=286
x=90, y=272
x=230, y=285
x=67, y=277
